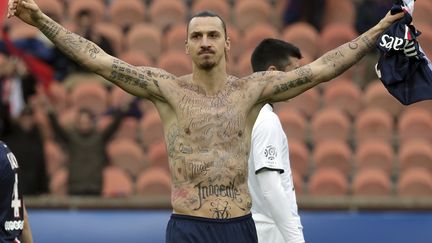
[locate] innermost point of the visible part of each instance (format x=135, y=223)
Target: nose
x=204, y=42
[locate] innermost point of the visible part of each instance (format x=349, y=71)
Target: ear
x=186, y=47
x=271, y=68
x=227, y=44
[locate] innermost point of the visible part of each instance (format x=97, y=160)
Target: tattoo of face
x=304, y=76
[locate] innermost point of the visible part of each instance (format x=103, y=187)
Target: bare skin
x=208, y=115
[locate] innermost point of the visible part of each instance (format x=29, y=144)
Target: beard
x=207, y=65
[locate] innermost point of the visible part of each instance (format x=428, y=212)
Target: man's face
x=84, y=123
x=206, y=43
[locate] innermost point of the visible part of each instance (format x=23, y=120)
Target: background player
x=274, y=206
x=14, y=225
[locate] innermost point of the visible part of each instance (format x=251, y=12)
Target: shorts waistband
x=210, y=220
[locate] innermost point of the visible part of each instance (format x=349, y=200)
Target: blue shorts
x=190, y=229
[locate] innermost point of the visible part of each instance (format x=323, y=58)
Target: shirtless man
x=207, y=116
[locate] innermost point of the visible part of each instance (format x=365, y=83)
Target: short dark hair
x=207, y=13
x=273, y=52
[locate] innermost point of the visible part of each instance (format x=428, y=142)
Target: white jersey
x=269, y=150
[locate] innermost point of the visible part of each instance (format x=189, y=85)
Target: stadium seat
x=376, y=95
x=415, y=124
x=58, y=182
x=375, y=124
x=330, y=123
x=343, y=94
x=153, y=181
x=175, y=62
x=299, y=157
x=55, y=157
x=175, y=37
x=157, y=155
x=258, y=32
x=113, y=34
x=303, y=35
x=221, y=8
x=333, y=154
x=415, y=153
x=90, y=95
x=249, y=13
x=151, y=129
x=328, y=182
x=23, y=31
x=340, y=12
x=307, y=103
x=371, y=182
x=415, y=182
x=118, y=97
x=244, y=67
x=334, y=35
x=136, y=58
x=164, y=13
x=145, y=38
x=52, y=8
x=236, y=44
x=294, y=124
x=126, y=13
x=95, y=7
x=127, y=155
x=375, y=154
x=116, y=183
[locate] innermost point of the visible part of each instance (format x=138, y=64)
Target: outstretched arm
x=139, y=81
x=281, y=86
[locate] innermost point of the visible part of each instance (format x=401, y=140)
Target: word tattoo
x=126, y=73
x=50, y=29
x=304, y=76
x=217, y=190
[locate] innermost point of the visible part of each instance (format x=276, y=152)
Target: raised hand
x=27, y=10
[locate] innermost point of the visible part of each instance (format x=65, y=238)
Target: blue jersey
x=11, y=202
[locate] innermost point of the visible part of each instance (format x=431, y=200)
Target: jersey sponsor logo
x=390, y=42
x=270, y=152
x=14, y=225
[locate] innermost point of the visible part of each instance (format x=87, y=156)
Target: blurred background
x=361, y=161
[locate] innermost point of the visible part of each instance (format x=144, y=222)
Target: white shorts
x=268, y=232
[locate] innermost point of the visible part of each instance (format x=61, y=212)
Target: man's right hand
x=27, y=10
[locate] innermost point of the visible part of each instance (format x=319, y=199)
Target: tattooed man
x=207, y=116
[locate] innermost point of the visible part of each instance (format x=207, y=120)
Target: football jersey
x=11, y=202
x=269, y=150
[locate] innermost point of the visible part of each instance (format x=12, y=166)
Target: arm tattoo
x=50, y=29
x=304, y=76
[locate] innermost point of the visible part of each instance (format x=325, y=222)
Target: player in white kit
x=274, y=206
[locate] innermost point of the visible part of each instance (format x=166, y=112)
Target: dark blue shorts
x=190, y=229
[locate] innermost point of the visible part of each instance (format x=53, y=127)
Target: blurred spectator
x=18, y=126
x=310, y=11
x=371, y=12
x=85, y=147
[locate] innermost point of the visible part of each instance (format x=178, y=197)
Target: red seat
x=294, y=124
x=164, y=13
x=415, y=124
x=298, y=183
x=376, y=95
x=112, y=33
x=126, y=13
x=145, y=38
x=415, y=153
x=299, y=157
x=375, y=154
x=116, y=183
x=151, y=129
x=153, y=181
x=158, y=156
x=373, y=124
x=96, y=8
x=249, y=13
x=330, y=123
x=127, y=155
x=415, y=182
x=339, y=11
x=333, y=154
x=328, y=182
x=305, y=36
x=257, y=33
x=136, y=58
x=371, y=182
x=344, y=95
x=175, y=37
x=221, y=8
x=307, y=103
